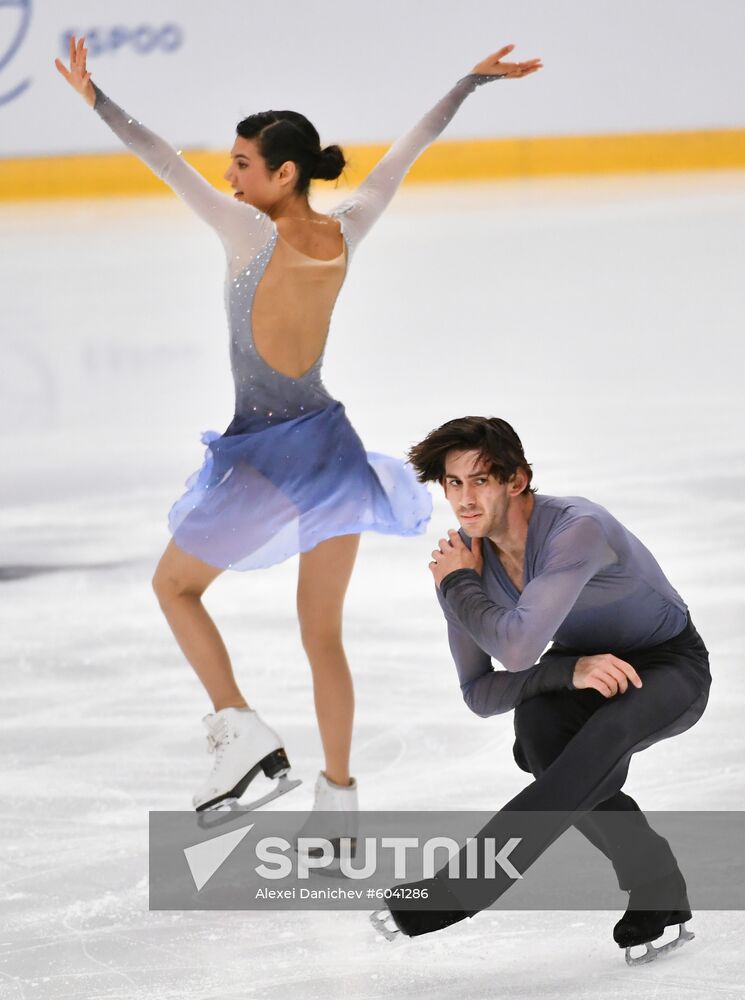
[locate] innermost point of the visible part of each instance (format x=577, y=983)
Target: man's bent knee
x=535, y=715
x=540, y=734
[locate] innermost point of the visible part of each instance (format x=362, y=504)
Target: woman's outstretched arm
x=362, y=209
x=243, y=228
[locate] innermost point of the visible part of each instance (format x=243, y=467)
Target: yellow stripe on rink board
x=460, y=160
x=535, y=157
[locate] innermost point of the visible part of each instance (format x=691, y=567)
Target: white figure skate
x=243, y=745
x=334, y=818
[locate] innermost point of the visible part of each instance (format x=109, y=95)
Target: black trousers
x=578, y=745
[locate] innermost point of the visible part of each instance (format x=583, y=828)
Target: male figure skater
x=626, y=668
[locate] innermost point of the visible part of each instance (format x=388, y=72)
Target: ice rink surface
x=602, y=317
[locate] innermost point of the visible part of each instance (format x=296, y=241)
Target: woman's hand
x=493, y=65
x=77, y=75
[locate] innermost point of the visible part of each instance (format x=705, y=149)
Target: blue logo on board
x=15, y=17
x=142, y=38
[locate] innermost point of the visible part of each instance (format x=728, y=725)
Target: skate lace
x=216, y=742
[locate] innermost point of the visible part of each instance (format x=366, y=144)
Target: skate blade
x=382, y=921
x=652, y=953
x=210, y=817
x=283, y=786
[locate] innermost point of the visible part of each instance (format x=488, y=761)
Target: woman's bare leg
x=324, y=575
x=179, y=582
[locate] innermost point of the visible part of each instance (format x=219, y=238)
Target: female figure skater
x=289, y=475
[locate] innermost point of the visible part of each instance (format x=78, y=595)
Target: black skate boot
x=652, y=907
x=413, y=922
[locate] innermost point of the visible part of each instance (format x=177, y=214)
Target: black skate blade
x=652, y=952
x=383, y=922
x=274, y=765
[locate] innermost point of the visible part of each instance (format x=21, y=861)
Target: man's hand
x=605, y=673
x=454, y=554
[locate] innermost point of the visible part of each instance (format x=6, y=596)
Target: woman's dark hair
x=495, y=441
x=288, y=135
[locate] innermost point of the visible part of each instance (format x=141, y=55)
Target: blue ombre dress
x=289, y=471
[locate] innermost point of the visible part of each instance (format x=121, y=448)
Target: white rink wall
x=364, y=72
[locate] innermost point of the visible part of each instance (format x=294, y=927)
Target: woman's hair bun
x=330, y=163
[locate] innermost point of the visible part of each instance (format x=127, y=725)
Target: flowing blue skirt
x=271, y=492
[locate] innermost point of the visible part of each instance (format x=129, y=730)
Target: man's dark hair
x=498, y=446
x=288, y=135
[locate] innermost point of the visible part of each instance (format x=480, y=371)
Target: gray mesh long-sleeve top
x=266, y=275
x=589, y=584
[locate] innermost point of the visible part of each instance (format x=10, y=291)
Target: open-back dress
x=290, y=470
